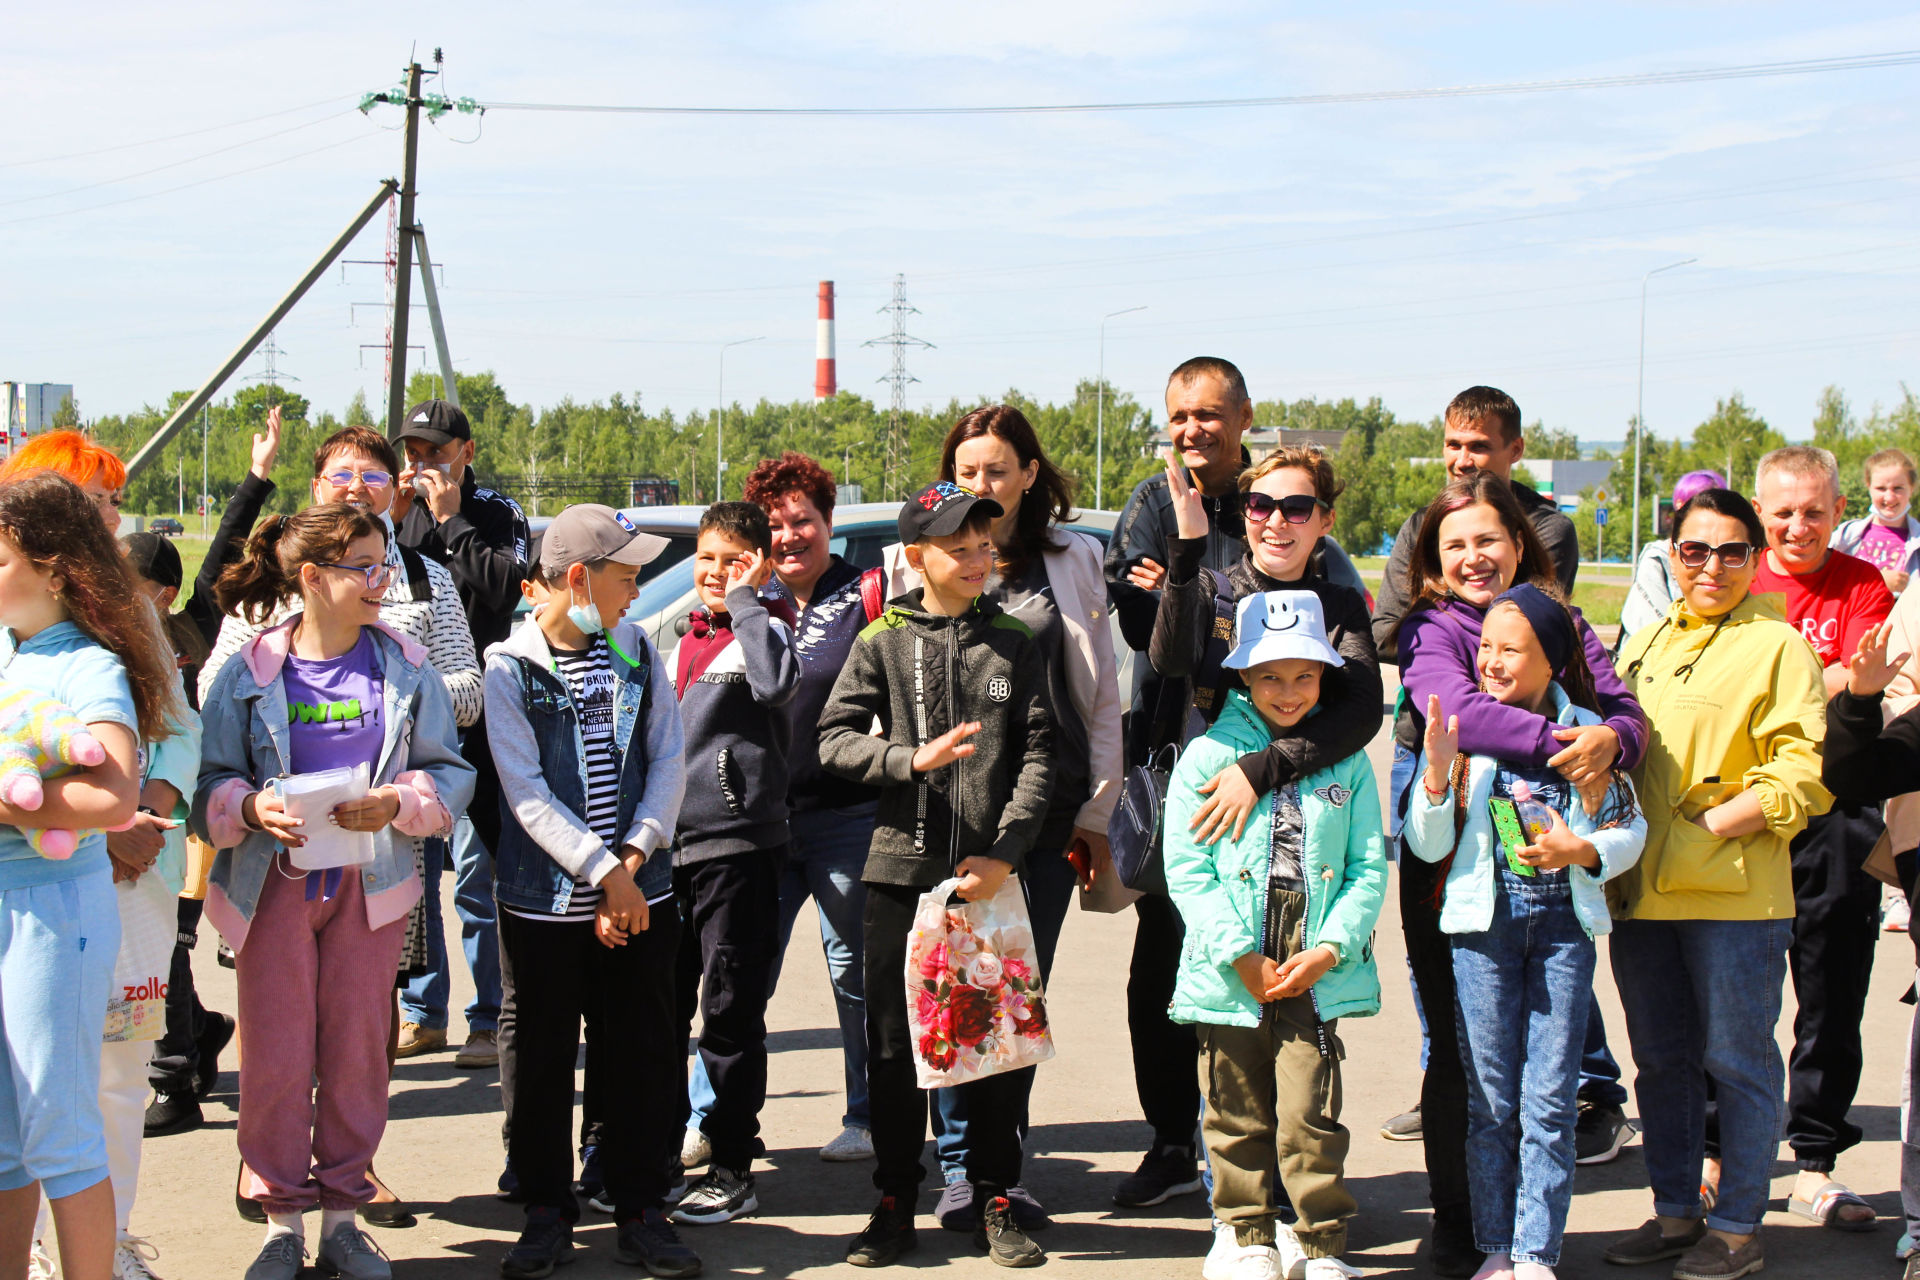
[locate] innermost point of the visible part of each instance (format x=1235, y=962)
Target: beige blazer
x=1903, y=812
x=1093, y=676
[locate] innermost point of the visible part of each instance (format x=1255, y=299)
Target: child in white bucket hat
x=1278, y=925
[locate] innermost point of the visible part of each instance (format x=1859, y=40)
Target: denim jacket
x=534, y=731
x=1470, y=891
x=245, y=744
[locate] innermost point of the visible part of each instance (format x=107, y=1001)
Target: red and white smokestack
x=824, y=382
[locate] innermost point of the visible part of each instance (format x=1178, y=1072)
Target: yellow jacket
x=1732, y=703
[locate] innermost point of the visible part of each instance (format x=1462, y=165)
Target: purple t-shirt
x=334, y=708
x=1884, y=548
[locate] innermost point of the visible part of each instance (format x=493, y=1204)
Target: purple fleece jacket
x=1438, y=644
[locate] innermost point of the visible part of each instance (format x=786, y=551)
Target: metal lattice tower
x=893, y=480
x=270, y=354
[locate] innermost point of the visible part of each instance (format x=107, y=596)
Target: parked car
x=166, y=527
x=861, y=534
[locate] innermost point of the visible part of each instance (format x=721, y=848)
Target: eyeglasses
x=1296, y=508
x=377, y=575
x=1731, y=555
x=343, y=477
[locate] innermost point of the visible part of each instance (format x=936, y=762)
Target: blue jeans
x=1524, y=986
x=1049, y=882
x=424, y=999
x=1702, y=999
x=827, y=850
x=1599, y=1072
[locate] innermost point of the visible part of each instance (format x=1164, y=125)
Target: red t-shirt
x=1834, y=605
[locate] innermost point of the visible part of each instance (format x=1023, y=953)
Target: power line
x=175, y=137
x=1643, y=79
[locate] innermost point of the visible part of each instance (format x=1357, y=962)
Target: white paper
x=310, y=797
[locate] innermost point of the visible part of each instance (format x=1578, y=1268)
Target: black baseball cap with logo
x=154, y=558
x=940, y=509
x=435, y=422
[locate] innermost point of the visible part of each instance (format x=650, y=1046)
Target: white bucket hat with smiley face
x=1274, y=625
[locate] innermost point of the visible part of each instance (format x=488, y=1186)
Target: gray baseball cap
x=588, y=533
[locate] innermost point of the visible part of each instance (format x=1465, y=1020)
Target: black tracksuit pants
x=551, y=973
x=1443, y=1090
x=994, y=1103
x=176, y=1059
x=1165, y=1053
x=730, y=937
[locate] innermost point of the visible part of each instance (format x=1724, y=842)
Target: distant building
x=1563, y=480
x=30, y=408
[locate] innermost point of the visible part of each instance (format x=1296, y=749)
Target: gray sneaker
x=280, y=1259
x=348, y=1253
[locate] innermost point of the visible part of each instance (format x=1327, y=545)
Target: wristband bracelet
x=1431, y=793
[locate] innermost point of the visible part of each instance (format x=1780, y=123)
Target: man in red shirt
x=1833, y=598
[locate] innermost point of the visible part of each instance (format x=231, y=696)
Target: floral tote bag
x=974, y=1002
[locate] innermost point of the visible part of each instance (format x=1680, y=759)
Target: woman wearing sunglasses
x=1287, y=502
x=1731, y=774
x=357, y=467
x=315, y=951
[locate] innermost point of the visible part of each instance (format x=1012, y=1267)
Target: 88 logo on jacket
x=999, y=688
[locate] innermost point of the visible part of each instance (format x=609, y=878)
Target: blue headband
x=1552, y=624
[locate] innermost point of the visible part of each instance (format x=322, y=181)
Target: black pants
x=1443, y=1091
x=730, y=935
x=1165, y=1053
x=899, y=1104
x=176, y=1058
x=1835, y=927
x=550, y=974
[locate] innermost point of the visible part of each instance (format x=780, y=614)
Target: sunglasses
x=1297, y=508
x=377, y=575
x=1731, y=555
x=343, y=477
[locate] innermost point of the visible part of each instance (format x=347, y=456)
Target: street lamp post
x=719, y=414
x=846, y=461
x=1640, y=401
x=1100, y=413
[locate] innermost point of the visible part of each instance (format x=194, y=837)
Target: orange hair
x=71, y=453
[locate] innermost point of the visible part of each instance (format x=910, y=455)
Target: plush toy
x=41, y=738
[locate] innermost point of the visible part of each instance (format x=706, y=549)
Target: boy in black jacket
x=964, y=765
x=734, y=671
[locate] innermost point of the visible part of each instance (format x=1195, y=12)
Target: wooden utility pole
x=403, y=264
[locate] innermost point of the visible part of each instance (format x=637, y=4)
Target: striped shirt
x=589, y=676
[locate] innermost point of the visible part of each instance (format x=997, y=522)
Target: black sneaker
x=1450, y=1250
x=217, y=1035
x=592, y=1187
x=1405, y=1127
x=1599, y=1134
x=508, y=1188
x=888, y=1234
x=1165, y=1172
x=545, y=1243
x=650, y=1241
x=1002, y=1240
x=721, y=1195
x=171, y=1113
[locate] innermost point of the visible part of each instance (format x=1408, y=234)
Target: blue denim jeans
x=424, y=999
x=1524, y=987
x=1049, y=882
x=827, y=849
x=1702, y=999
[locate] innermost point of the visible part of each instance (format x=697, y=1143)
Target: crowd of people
x=343, y=702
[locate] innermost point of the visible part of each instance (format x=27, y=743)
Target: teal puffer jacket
x=1221, y=889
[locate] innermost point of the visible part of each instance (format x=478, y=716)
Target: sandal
x=1824, y=1208
x=1709, y=1197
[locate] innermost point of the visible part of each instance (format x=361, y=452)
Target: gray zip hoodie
x=916, y=675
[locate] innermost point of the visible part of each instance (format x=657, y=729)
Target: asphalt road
x=442, y=1149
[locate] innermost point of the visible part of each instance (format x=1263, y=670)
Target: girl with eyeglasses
x=1287, y=500
x=1474, y=543
x=315, y=952
x=1736, y=703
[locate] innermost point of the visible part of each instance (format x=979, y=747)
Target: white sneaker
x=1256, y=1262
x=854, y=1143
x=1293, y=1259
x=1898, y=915
x=1329, y=1269
x=695, y=1150
x=40, y=1263
x=130, y=1258
x=1220, y=1258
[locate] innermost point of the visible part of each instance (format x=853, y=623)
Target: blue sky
x=1401, y=250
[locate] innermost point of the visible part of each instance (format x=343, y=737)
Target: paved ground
x=443, y=1152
